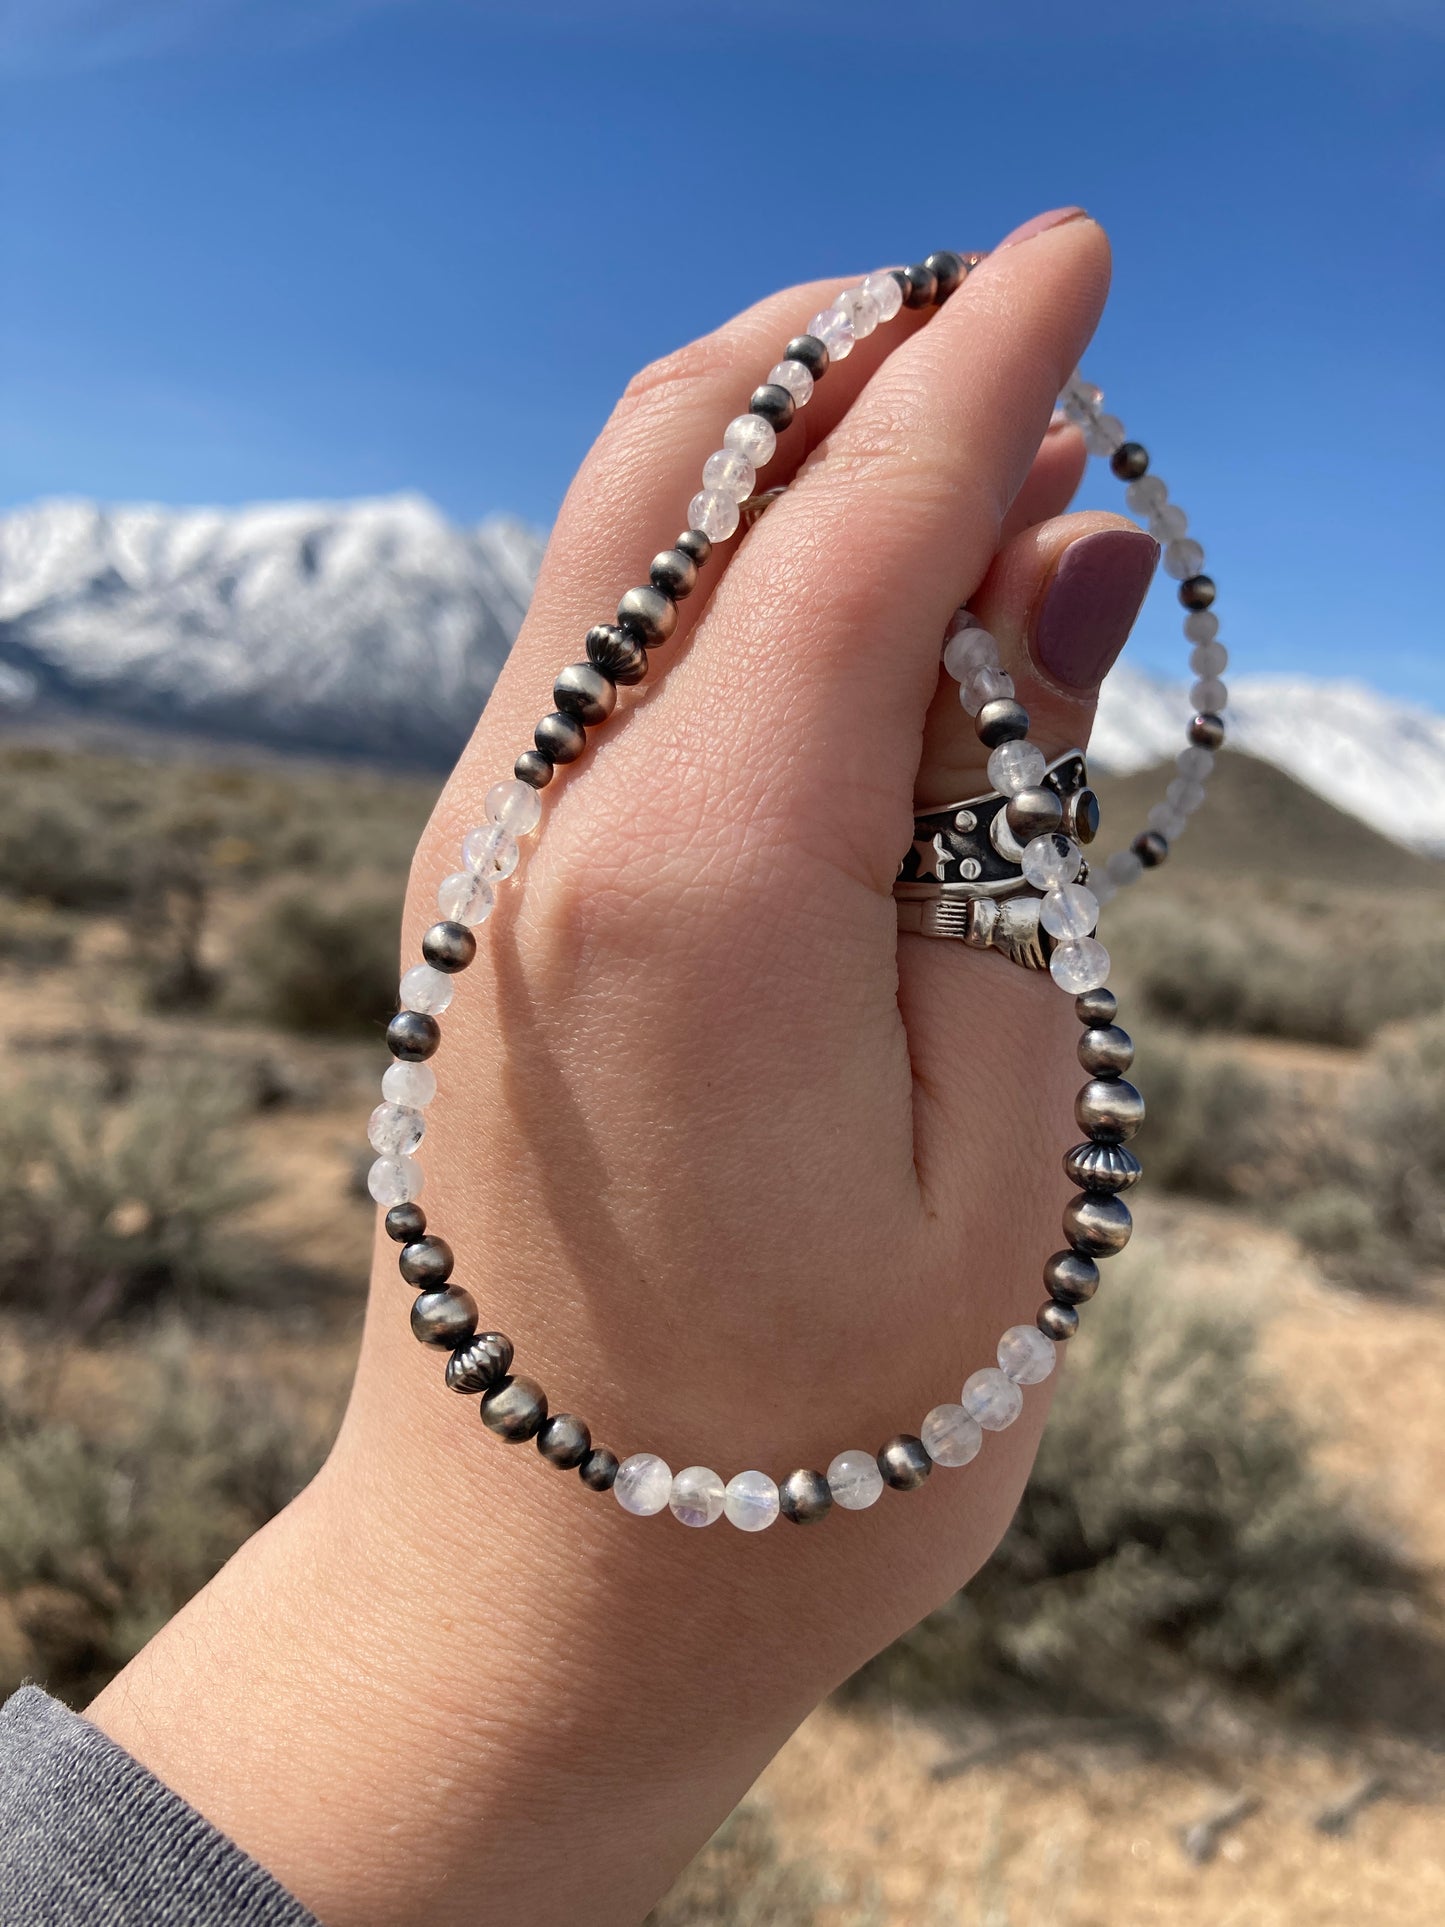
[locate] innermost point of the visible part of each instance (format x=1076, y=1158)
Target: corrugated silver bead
x=480, y=1362
x=1102, y=1167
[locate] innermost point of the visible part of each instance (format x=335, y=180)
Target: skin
x=747, y=1177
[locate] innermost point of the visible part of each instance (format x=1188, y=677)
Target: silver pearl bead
x=1056, y=1321
x=584, y=691
x=514, y=1409
x=650, y=615
x=598, y=1471
x=804, y=1497
x=1002, y=721
x=1206, y=730
x=534, y=768
x=904, y=1462
x=1107, y=1052
x=1097, y=1223
x=1102, y=1167
x=405, y=1223
x=449, y=946
x=1110, y=1109
x=560, y=738
x=444, y=1317
x=1071, y=1277
x=1096, y=1008
x=426, y=1261
x=412, y=1036
x=479, y=1363
x=1151, y=848
x=1034, y=812
x=674, y=572
x=563, y=1440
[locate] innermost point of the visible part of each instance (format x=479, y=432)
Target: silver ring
x=961, y=877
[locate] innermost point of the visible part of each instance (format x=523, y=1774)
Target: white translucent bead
x=992, y=1398
x=797, y=379
x=854, y=1480
x=1081, y=966
x=696, y=1496
x=1167, y=522
x=1051, y=860
x=1103, y=434
x=515, y=805
x=1209, y=658
x=727, y=473
x=1183, y=558
x=490, y=851
x=643, y=1484
x=984, y=686
x=861, y=309
x=717, y=515
x=751, y=1501
x=1209, y=695
x=950, y=1435
x=968, y=650
x=1125, y=868
x=1080, y=399
x=882, y=284
x=1025, y=1355
x=414, y=1085
x=1069, y=911
x=395, y=1181
x=1195, y=762
x=394, y=1130
x=1016, y=766
x=751, y=437
x=1168, y=821
x=1201, y=625
x=427, y=990
x=464, y=897
x=1184, y=795
x=1146, y=496
x=835, y=330
x=1103, y=887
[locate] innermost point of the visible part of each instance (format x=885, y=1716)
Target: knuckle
x=680, y=369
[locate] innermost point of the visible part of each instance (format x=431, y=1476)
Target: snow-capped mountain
x=377, y=628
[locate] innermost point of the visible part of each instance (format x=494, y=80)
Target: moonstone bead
x=1080, y=966
x=854, y=1480
x=1125, y=868
x=1103, y=887
x=1195, y=762
x=1210, y=695
x=1167, y=820
x=728, y=473
x=395, y=1130
x=643, y=1484
x=969, y=650
x=1025, y=1355
x=516, y=806
x=1183, y=558
x=1209, y=658
x=861, y=309
x=696, y=1496
x=1185, y=795
x=1103, y=434
x=1167, y=522
x=716, y=514
x=1051, y=860
x=834, y=329
x=426, y=990
x=985, y=686
x=992, y=1398
x=950, y=1435
x=1016, y=766
x=1069, y=911
x=414, y=1085
x=798, y=381
x=465, y=897
x=1146, y=496
x=395, y=1181
x=490, y=851
x=882, y=284
x=752, y=438
x=1201, y=625
x=751, y=1501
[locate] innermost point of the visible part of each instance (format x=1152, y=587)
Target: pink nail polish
x=1040, y=224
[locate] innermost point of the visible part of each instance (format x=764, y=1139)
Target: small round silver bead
x=560, y=738
x=1129, y=461
x=674, y=572
x=1110, y=1109
x=563, y=1440
x=1097, y=1223
x=1071, y=1277
x=534, y=768
x=405, y=1223
x=694, y=543
x=1096, y=1008
x=426, y=1261
x=514, y=1409
x=1004, y=720
x=444, y=1317
x=1206, y=730
x=947, y=269
x=1151, y=848
x=1032, y=812
x=804, y=1497
x=812, y=353
x=920, y=285
x=598, y=1471
x=1057, y=1321
x=904, y=1462
x=1197, y=592
x=774, y=403
x=449, y=946
x=480, y=1362
x=586, y=692
x=1106, y=1052
x=1102, y=1167
x=650, y=615
x=412, y=1036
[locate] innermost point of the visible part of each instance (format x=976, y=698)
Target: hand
x=747, y=1178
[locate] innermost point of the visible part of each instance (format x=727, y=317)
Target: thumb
x=1061, y=598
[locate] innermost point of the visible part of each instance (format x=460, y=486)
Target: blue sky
x=252, y=249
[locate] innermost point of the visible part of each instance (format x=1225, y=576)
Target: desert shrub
x=127, y=1189
x=1173, y=1529
x=107, y=1534
x=1207, y=1121
x=740, y=1879
x=323, y=963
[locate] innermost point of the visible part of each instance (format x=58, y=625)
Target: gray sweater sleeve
x=87, y=1835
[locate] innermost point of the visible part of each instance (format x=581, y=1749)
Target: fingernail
x=1090, y=605
x=1040, y=224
